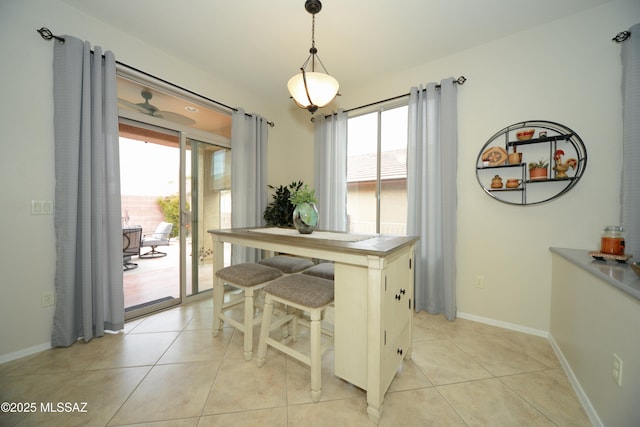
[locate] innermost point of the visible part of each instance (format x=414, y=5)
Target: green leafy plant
x=303, y=195
x=541, y=164
x=170, y=207
x=279, y=213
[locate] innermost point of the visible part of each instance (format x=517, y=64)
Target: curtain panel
x=630, y=193
x=249, y=138
x=87, y=221
x=432, y=155
x=330, y=171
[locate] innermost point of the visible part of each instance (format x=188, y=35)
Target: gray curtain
x=630, y=196
x=88, y=282
x=249, y=137
x=330, y=174
x=432, y=155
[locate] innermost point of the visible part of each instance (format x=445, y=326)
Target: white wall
x=591, y=320
x=27, y=251
x=567, y=72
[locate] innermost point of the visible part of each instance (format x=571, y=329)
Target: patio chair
x=160, y=237
x=131, y=237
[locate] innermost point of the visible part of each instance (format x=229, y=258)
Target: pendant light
x=313, y=89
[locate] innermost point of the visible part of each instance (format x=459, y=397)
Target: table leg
x=375, y=343
x=218, y=287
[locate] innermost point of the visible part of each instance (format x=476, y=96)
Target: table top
x=361, y=244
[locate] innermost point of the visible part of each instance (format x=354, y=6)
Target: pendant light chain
x=313, y=49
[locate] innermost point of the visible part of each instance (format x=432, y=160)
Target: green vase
x=305, y=218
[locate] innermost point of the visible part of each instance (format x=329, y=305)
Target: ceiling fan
x=151, y=110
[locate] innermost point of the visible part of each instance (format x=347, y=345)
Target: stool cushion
x=324, y=270
x=248, y=274
x=308, y=291
x=287, y=264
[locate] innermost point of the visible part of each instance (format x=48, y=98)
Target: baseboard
x=24, y=352
x=582, y=396
x=505, y=325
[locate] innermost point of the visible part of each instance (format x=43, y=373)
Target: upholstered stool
x=287, y=264
x=324, y=270
x=303, y=292
x=247, y=277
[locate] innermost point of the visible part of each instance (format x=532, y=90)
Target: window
x=377, y=172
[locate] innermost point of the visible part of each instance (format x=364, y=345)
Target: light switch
x=42, y=207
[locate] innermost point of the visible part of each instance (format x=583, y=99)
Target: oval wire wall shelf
x=555, y=138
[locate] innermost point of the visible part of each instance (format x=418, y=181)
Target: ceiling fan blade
x=151, y=110
x=175, y=117
x=131, y=106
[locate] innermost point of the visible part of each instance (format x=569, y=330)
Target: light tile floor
x=168, y=370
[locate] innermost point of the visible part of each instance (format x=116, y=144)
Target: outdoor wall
x=361, y=207
x=142, y=210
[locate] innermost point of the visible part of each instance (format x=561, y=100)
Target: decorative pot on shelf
x=513, y=183
x=538, y=173
x=305, y=217
x=515, y=158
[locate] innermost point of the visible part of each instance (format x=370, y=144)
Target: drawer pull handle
x=400, y=351
x=398, y=297
x=402, y=291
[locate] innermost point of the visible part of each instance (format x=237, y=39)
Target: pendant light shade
x=313, y=89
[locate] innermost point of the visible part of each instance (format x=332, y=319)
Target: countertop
x=617, y=274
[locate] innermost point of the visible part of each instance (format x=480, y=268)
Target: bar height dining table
x=373, y=297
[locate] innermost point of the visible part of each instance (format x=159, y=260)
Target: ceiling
x=356, y=39
x=164, y=105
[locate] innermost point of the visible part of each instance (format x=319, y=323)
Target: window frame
x=379, y=110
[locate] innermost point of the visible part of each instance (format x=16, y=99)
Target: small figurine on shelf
x=562, y=168
x=496, y=182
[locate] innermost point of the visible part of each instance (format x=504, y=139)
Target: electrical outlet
x=617, y=369
x=47, y=299
x=480, y=282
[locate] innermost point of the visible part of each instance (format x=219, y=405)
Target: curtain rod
x=621, y=36
x=460, y=81
x=46, y=34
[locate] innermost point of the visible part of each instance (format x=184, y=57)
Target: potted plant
x=538, y=170
x=305, y=213
x=279, y=213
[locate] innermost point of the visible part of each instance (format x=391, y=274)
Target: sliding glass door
x=206, y=206
x=169, y=177
x=150, y=198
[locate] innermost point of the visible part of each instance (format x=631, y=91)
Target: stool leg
x=248, y=323
x=316, y=357
x=218, y=300
x=293, y=325
x=285, y=326
x=264, y=330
